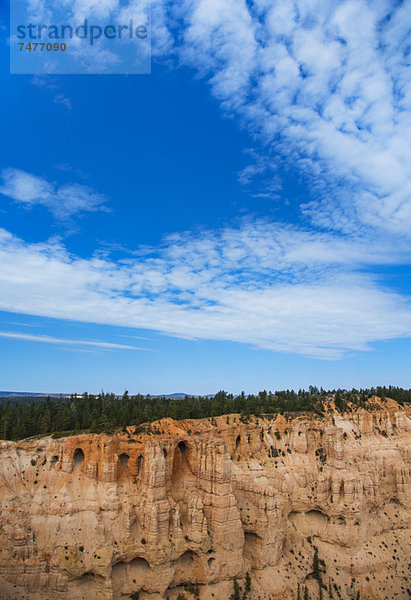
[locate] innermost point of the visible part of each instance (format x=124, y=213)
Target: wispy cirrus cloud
x=47, y=339
x=261, y=284
x=49, y=82
x=63, y=100
x=63, y=201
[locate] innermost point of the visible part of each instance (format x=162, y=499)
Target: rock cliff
x=201, y=502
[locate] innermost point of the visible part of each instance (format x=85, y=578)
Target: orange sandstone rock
x=104, y=517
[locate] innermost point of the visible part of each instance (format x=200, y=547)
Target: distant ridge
x=5, y=394
x=26, y=394
x=178, y=395
x=182, y=395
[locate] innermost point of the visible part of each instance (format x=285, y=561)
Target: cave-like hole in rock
x=119, y=575
x=250, y=545
x=78, y=459
x=89, y=577
x=129, y=577
x=237, y=442
x=181, y=476
x=54, y=459
x=211, y=563
x=187, y=558
x=123, y=460
x=316, y=518
x=182, y=448
x=184, y=568
x=118, y=570
x=138, y=569
x=165, y=453
x=88, y=585
x=140, y=463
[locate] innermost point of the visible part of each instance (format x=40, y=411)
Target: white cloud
x=63, y=100
x=261, y=284
x=24, y=187
x=44, y=81
x=46, y=339
x=63, y=202
x=94, y=59
x=49, y=82
x=324, y=84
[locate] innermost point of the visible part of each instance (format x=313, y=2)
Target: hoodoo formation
x=307, y=506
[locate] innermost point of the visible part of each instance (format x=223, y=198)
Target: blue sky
x=238, y=219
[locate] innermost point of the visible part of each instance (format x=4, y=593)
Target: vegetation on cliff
x=25, y=417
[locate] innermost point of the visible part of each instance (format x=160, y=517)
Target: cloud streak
x=46, y=339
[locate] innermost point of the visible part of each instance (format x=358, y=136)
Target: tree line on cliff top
x=107, y=413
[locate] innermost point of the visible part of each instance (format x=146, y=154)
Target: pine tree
x=236, y=593
x=247, y=582
x=316, y=566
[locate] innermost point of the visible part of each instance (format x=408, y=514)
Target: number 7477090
x=32, y=47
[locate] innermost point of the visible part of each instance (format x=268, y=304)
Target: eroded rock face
x=104, y=517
